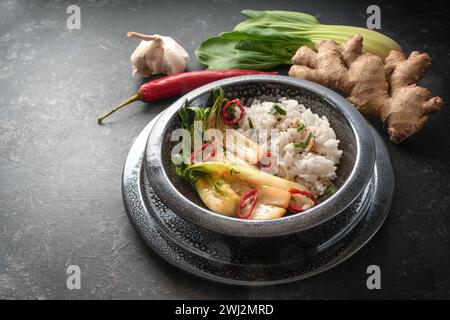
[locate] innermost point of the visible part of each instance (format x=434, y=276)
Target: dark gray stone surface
x=60, y=197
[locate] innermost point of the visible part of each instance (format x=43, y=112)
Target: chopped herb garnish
x=300, y=127
x=276, y=109
x=250, y=123
x=220, y=182
x=309, y=138
x=234, y=171
x=300, y=145
x=330, y=189
x=217, y=184
x=304, y=144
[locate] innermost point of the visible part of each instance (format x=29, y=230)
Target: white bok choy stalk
x=217, y=195
x=221, y=185
x=220, y=197
x=251, y=176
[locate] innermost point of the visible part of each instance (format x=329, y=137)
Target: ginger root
x=386, y=89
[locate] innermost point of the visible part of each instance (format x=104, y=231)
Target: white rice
x=315, y=168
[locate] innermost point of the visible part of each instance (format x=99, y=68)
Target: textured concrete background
x=60, y=197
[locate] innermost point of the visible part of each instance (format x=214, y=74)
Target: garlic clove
x=157, y=54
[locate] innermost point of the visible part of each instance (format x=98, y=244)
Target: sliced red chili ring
x=305, y=193
x=206, y=157
x=267, y=165
x=295, y=208
x=227, y=119
x=248, y=199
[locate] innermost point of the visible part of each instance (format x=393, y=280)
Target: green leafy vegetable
x=271, y=42
x=188, y=115
x=270, y=38
x=300, y=127
x=220, y=53
x=184, y=116
x=210, y=118
x=214, y=120
x=179, y=164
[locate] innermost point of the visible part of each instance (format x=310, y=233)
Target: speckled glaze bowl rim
x=345, y=195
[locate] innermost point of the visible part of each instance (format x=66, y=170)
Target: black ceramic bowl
x=354, y=171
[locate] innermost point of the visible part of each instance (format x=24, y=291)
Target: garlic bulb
x=157, y=54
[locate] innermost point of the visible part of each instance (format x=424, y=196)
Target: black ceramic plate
x=267, y=261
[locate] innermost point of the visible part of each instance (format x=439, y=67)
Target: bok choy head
x=270, y=38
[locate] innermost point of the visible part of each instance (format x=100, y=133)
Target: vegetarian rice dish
x=259, y=161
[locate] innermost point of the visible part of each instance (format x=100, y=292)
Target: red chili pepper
x=226, y=117
x=295, y=208
x=208, y=156
x=265, y=166
x=177, y=84
x=249, y=196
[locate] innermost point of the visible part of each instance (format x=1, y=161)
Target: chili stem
x=134, y=98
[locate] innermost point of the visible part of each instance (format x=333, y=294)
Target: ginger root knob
x=387, y=89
